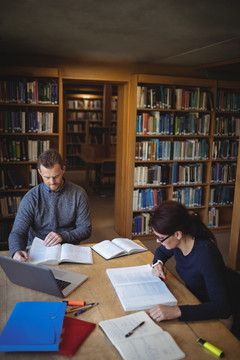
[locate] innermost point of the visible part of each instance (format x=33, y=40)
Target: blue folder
x=33, y=326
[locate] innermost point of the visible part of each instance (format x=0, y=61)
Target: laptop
x=42, y=278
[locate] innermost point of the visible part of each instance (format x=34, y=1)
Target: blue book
x=34, y=326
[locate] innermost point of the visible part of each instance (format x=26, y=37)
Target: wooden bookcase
x=29, y=124
x=213, y=196
x=84, y=124
x=91, y=117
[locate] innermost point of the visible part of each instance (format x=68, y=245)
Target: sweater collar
x=50, y=191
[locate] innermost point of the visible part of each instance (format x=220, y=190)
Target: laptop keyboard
x=62, y=284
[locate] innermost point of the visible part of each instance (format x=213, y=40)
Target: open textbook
x=117, y=247
x=53, y=255
x=138, y=289
x=147, y=342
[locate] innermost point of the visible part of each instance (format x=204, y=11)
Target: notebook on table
x=42, y=278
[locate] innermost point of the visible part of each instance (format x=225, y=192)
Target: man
x=56, y=210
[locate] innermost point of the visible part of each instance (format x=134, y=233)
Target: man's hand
x=20, y=255
x=52, y=239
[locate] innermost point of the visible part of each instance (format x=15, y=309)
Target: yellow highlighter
x=211, y=347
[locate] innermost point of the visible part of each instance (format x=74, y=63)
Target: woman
x=198, y=262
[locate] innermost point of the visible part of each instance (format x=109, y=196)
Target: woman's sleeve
x=217, y=306
x=162, y=254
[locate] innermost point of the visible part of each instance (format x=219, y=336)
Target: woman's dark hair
x=49, y=158
x=171, y=216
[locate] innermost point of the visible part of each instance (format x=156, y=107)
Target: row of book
x=85, y=104
x=191, y=150
x=213, y=217
x=22, y=122
x=75, y=139
x=9, y=179
x=76, y=127
x=227, y=125
x=159, y=174
x=187, y=173
x=228, y=100
x=188, y=196
x=140, y=224
x=164, y=97
x=151, y=175
x=11, y=150
x=146, y=199
x=25, y=91
x=74, y=161
x=9, y=205
x=182, y=174
x=225, y=149
x=155, y=123
x=114, y=103
x=84, y=115
x=73, y=149
x=223, y=172
x=222, y=195
x=152, y=150
x=155, y=149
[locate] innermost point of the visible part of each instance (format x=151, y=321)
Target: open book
x=53, y=255
x=147, y=342
x=138, y=289
x=117, y=247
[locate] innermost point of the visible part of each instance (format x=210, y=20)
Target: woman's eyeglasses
x=163, y=239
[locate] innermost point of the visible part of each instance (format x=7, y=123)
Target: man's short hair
x=49, y=158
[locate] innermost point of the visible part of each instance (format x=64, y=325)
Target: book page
x=144, y=295
x=77, y=254
x=128, y=245
x=131, y=275
x=107, y=249
x=147, y=342
x=39, y=253
x=137, y=288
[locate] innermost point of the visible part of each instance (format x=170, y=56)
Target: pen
x=74, y=309
x=84, y=308
x=136, y=327
x=155, y=264
x=211, y=347
x=79, y=308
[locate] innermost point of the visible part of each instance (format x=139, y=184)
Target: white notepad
x=147, y=342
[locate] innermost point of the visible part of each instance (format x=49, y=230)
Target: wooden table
x=99, y=289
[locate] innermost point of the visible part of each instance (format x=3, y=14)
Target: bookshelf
x=178, y=152
x=29, y=124
x=84, y=125
x=91, y=122
x=228, y=110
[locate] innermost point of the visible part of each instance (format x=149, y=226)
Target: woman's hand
x=160, y=270
x=164, y=312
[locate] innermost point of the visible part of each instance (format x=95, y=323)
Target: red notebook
x=74, y=332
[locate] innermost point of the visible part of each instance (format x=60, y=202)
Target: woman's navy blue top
x=204, y=273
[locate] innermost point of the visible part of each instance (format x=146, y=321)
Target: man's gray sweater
x=65, y=212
